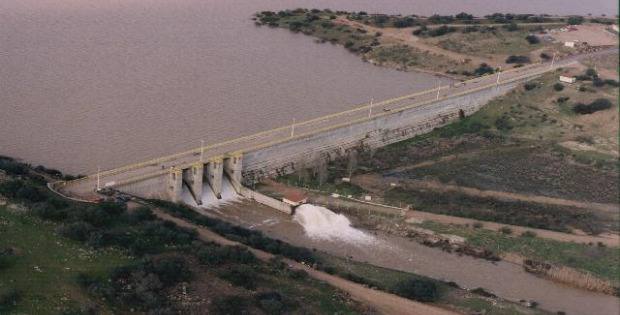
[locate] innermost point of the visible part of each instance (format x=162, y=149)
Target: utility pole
x=438, y=88
x=498, y=73
x=370, y=108
x=202, y=150
x=98, y=178
x=552, y=60
x=293, y=128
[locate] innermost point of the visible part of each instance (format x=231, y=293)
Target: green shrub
x=229, y=305
x=484, y=69
x=241, y=275
x=530, y=86
x=271, y=302
x=505, y=230
x=417, y=289
x=218, y=255
x=9, y=299
x=440, y=31
x=595, y=106
x=517, y=59
x=558, y=86
x=511, y=27
x=575, y=20
x=590, y=72
x=532, y=39
x=528, y=234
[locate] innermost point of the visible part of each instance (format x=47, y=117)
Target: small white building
x=570, y=44
x=566, y=79
x=615, y=28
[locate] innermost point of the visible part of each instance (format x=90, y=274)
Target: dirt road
x=376, y=180
x=383, y=302
x=405, y=36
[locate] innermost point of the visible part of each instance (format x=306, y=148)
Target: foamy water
x=323, y=224
x=209, y=200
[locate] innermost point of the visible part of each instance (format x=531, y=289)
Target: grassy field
x=601, y=261
x=489, y=42
x=44, y=266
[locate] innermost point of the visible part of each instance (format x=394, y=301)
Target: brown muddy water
x=106, y=83
x=505, y=279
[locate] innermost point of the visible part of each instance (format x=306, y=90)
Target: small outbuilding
x=570, y=44
x=295, y=198
x=567, y=79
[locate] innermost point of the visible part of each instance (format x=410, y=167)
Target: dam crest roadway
x=245, y=160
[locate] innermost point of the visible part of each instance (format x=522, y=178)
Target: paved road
x=422, y=101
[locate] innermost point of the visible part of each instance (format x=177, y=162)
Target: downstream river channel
x=106, y=83
x=506, y=280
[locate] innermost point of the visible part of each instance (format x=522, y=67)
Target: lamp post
x=293, y=128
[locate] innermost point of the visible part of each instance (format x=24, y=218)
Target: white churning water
x=323, y=224
x=208, y=197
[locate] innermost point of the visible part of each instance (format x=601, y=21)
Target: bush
x=517, y=59
x=612, y=82
x=562, y=99
x=575, y=20
x=12, y=167
x=404, y=22
x=218, y=255
x=591, y=73
x=79, y=231
x=558, y=86
x=505, y=230
x=170, y=270
x=528, y=234
x=511, y=27
x=229, y=305
x=442, y=30
x=49, y=212
x=532, y=39
x=271, y=302
x=417, y=289
x=9, y=299
x=477, y=225
x=530, y=86
x=595, y=106
x=598, y=82
x=503, y=123
x=484, y=69
x=241, y=275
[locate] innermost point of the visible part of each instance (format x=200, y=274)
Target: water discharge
x=322, y=224
x=209, y=200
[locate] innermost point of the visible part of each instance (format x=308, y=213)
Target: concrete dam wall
x=286, y=157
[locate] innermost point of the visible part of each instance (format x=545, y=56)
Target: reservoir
x=87, y=84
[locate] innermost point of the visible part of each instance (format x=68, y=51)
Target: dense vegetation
x=164, y=255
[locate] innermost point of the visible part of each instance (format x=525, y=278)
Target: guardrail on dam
x=282, y=150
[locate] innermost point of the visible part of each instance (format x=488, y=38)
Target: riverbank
x=460, y=46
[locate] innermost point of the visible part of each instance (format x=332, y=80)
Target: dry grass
x=579, y=279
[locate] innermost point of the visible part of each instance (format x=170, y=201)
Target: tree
x=352, y=162
x=321, y=171
x=532, y=39
x=575, y=20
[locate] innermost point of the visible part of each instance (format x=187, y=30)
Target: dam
x=244, y=161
